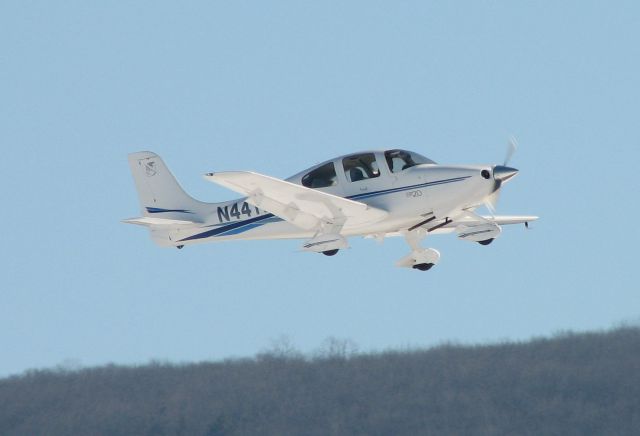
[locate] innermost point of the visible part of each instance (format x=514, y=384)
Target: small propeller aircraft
x=374, y=194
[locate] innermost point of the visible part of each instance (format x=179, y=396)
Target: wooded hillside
x=572, y=384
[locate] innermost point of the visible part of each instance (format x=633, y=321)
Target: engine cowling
x=479, y=233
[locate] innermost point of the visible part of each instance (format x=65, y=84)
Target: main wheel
x=179, y=247
x=486, y=242
x=423, y=266
x=330, y=252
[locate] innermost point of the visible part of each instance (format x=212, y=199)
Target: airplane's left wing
x=304, y=207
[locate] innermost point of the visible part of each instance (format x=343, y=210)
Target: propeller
x=491, y=202
x=511, y=148
x=501, y=173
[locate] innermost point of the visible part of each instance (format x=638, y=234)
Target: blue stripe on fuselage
x=406, y=188
x=160, y=210
x=219, y=231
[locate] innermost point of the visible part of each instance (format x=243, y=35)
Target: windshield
x=400, y=160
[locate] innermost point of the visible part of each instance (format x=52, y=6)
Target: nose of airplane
x=502, y=173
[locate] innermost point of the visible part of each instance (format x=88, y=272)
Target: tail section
x=160, y=194
x=167, y=211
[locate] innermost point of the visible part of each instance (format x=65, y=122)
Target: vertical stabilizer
x=159, y=192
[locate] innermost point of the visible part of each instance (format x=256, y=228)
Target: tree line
x=570, y=384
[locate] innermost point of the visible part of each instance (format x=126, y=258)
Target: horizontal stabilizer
x=160, y=222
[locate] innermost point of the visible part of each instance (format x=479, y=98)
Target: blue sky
x=275, y=87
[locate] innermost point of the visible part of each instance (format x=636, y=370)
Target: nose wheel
x=422, y=259
x=423, y=266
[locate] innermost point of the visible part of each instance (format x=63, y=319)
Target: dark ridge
x=573, y=384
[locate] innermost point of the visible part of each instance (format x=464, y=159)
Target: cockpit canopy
x=361, y=166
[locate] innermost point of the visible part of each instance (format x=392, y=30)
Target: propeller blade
x=501, y=173
x=511, y=148
x=491, y=202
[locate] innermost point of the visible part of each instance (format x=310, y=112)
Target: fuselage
x=406, y=185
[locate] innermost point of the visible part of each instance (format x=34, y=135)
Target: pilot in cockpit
x=399, y=160
x=361, y=167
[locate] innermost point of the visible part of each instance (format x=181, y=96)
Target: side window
x=321, y=177
x=361, y=167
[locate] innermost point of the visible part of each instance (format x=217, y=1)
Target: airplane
x=374, y=194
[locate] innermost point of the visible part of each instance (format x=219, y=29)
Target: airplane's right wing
x=499, y=219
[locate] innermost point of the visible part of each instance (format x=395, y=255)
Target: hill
x=572, y=384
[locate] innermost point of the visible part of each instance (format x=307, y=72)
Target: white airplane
x=374, y=194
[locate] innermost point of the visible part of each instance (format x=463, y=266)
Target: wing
x=498, y=219
x=467, y=218
x=304, y=207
